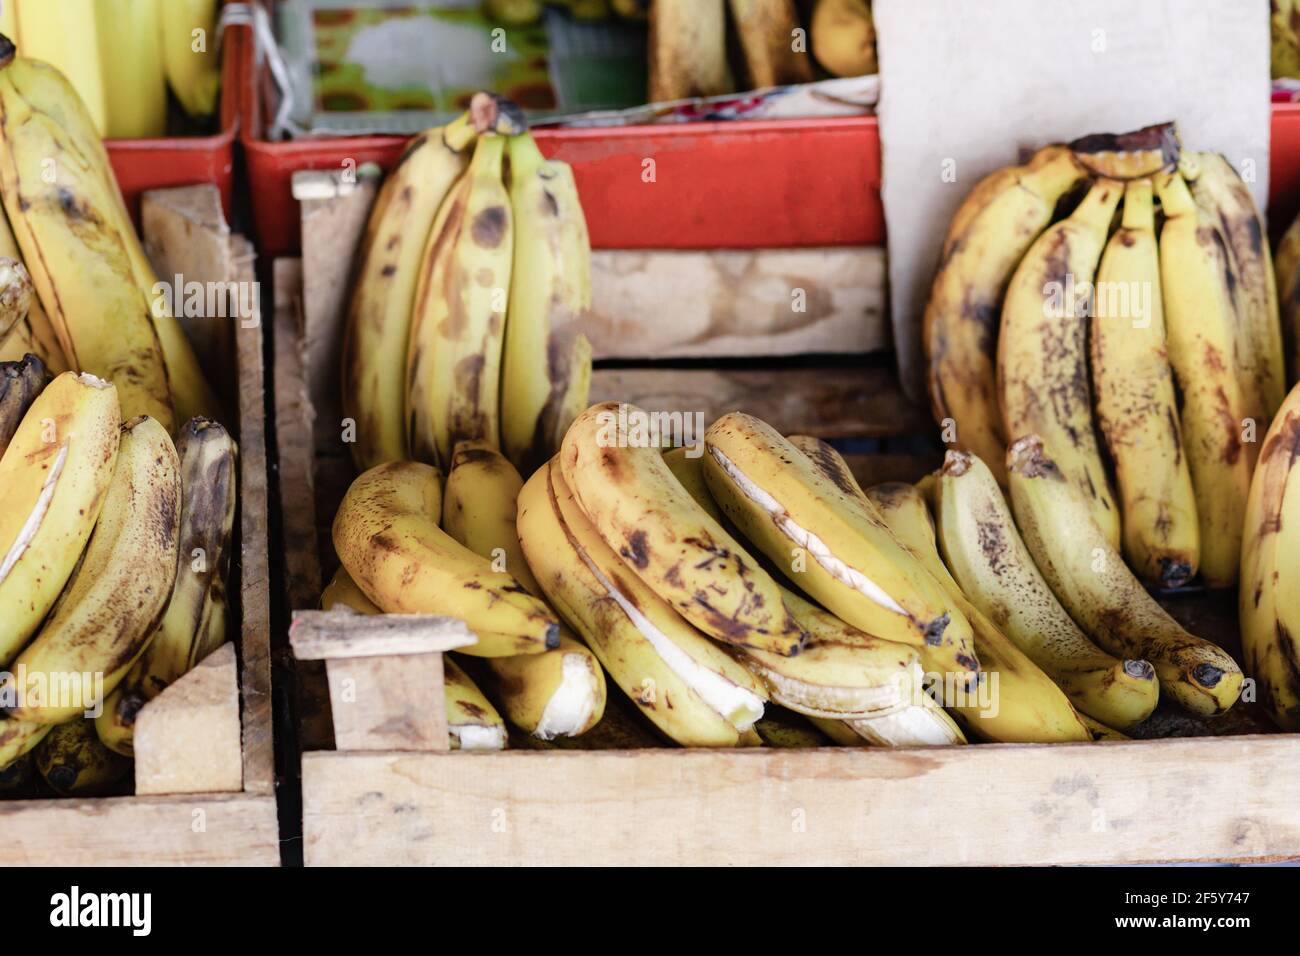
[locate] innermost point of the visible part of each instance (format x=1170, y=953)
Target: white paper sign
x=966, y=86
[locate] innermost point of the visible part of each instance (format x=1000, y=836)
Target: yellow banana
x=546, y=369
x=766, y=30
x=342, y=590
x=687, y=50
x=130, y=47
x=1226, y=200
x=983, y=550
x=18, y=738
x=54, y=474
x=646, y=516
x=378, y=322
x=64, y=34
x=33, y=333
x=1200, y=326
x=20, y=383
x=1092, y=582
x=1136, y=407
x=783, y=728
x=189, y=50
x=829, y=462
x=1042, y=348
x=453, y=363
x=472, y=722
x=837, y=549
x=72, y=760
x=557, y=693
x=1270, y=569
x=1015, y=701
x=686, y=685
x=62, y=216
x=991, y=232
x=387, y=536
x=195, y=619
x=1100, y=731
x=843, y=36
x=112, y=604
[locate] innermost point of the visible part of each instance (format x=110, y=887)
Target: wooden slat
x=1225, y=798
x=340, y=633
x=388, y=703
x=833, y=402
x=195, y=830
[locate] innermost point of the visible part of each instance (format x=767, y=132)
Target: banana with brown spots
x=20, y=383
x=75, y=763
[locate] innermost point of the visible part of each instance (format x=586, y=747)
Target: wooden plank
x=733, y=303
x=388, y=703
x=341, y=633
x=1227, y=798
x=254, y=564
x=829, y=402
x=226, y=830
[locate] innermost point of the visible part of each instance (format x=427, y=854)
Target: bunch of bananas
x=732, y=593
x=1116, y=298
x=122, y=55
x=116, y=545
x=474, y=271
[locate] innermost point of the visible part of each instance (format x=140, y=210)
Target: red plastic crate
x=142, y=164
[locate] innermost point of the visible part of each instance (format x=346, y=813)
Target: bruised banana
x=1200, y=324
x=195, y=620
x=982, y=548
x=378, y=322
x=472, y=722
x=18, y=738
x=546, y=368
x=841, y=672
x=990, y=233
x=20, y=383
x=1043, y=348
x=1227, y=201
x=557, y=693
x=847, y=559
x=453, y=361
x=1015, y=702
x=685, y=684
x=386, y=534
x=1270, y=569
x=1094, y=584
x=54, y=473
x=74, y=762
x=1137, y=409
x=112, y=605
x=78, y=259
x=672, y=544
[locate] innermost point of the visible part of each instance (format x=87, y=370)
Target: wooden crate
x=380, y=787
x=207, y=796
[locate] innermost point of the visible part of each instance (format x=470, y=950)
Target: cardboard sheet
x=967, y=86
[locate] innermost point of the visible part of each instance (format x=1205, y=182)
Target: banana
x=514, y=13
x=1100, y=731
x=54, y=476
x=557, y=693
x=472, y=722
x=32, y=332
x=195, y=619
x=1285, y=39
x=1042, y=348
x=1227, y=201
x=686, y=685
x=15, y=294
x=135, y=89
x=1199, y=324
x=18, y=738
x=645, y=515
x=687, y=50
x=1270, y=569
x=62, y=216
x=844, y=37
x=924, y=724
x=387, y=536
x=783, y=728
x=112, y=604
x=767, y=30
x=546, y=369
x=20, y=384
x=990, y=234
x=189, y=50
x=1136, y=406
x=343, y=591
x=1015, y=702
x=1092, y=582
x=839, y=550
x=73, y=762
x=64, y=35
x=378, y=321
x=983, y=550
